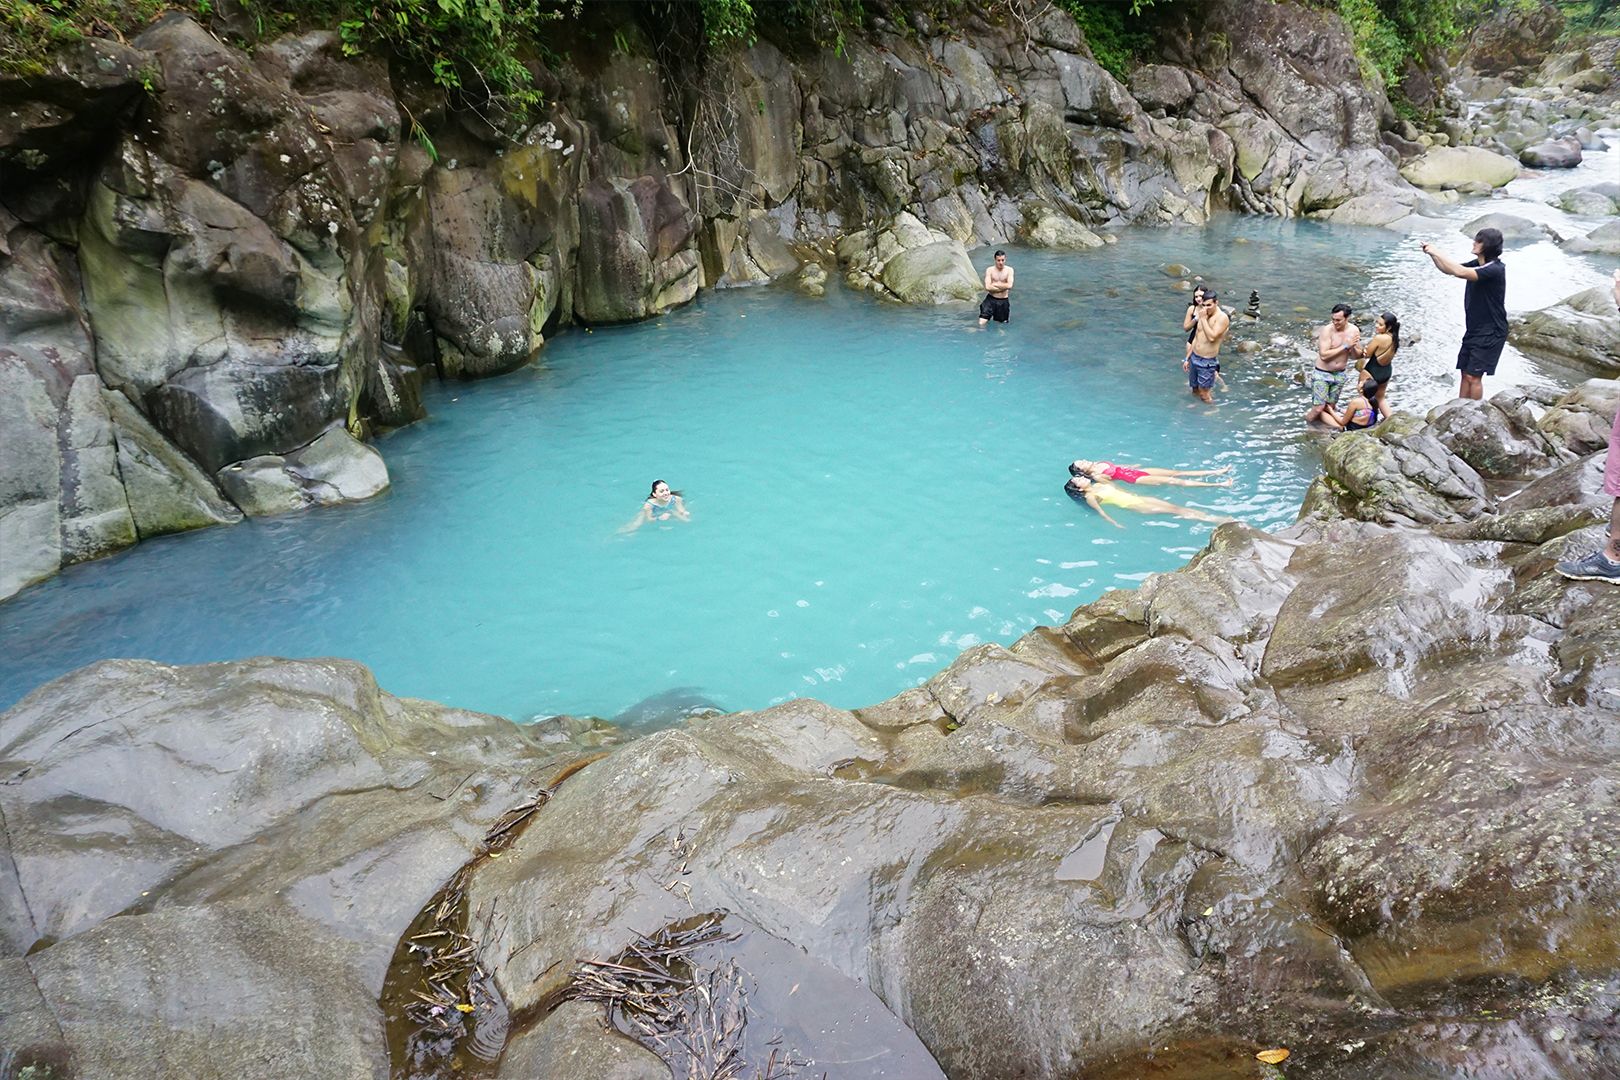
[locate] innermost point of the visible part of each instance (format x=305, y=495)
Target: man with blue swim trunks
x=1210, y=325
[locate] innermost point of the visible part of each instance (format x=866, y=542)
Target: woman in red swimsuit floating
x=1136, y=474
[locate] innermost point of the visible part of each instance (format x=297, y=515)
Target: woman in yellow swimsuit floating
x=1148, y=475
x=1094, y=493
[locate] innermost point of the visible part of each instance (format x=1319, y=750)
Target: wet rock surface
x=206, y=870
x=1582, y=330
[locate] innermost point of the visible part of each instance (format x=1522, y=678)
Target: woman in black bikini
x=1378, y=354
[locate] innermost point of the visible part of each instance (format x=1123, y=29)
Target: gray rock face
x=1603, y=240
x=1552, y=154
x=246, y=841
x=1583, y=329
x=335, y=468
x=1455, y=166
x=167, y=491
x=1594, y=200
x=272, y=252
x=1497, y=438
x=1514, y=229
x=1399, y=473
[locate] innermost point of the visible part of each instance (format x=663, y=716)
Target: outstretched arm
x=1450, y=266
x=641, y=518
x=1091, y=500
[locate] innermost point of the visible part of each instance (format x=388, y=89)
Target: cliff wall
x=219, y=271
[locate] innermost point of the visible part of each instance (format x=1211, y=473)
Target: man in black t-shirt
x=1484, y=309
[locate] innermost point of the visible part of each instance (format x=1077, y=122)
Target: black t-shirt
x=1485, y=303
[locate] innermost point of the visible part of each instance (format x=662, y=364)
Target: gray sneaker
x=1593, y=567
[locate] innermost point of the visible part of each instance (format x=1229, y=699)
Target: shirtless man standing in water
x=1337, y=344
x=998, y=282
x=1210, y=325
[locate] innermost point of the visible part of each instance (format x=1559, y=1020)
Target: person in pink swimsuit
x=1148, y=476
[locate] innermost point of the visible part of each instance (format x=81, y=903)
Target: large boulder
x=335, y=468
x=1603, y=240
x=931, y=274
x=1047, y=228
x=1514, y=229
x=1497, y=438
x=248, y=840
x=1583, y=329
x=1552, y=154
x=1399, y=473
x=1457, y=166
x=1594, y=200
x=1580, y=421
x=909, y=262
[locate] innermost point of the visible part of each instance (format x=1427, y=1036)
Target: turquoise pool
x=873, y=489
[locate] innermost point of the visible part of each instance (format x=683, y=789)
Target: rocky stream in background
x=1346, y=790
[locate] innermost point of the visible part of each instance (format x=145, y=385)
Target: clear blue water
x=873, y=488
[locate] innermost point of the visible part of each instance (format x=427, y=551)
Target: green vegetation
x=1118, y=32
x=480, y=49
x=32, y=30
x=1600, y=17
x=1389, y=34
x=470, y=48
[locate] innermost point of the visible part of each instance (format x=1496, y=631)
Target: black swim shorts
x=995, y=307
x=1479, y=358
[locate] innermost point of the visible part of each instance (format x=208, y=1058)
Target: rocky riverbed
x=1346, y=790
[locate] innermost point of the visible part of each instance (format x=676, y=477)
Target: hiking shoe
x=1594, y=567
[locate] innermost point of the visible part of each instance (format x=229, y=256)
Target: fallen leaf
x=1273, y=1057
x=468, y=1008
x=1208, y=912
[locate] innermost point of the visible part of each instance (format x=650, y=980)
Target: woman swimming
x=1094, y=493
x=1147, y=475
x=661, y=505
x=1378, y=354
